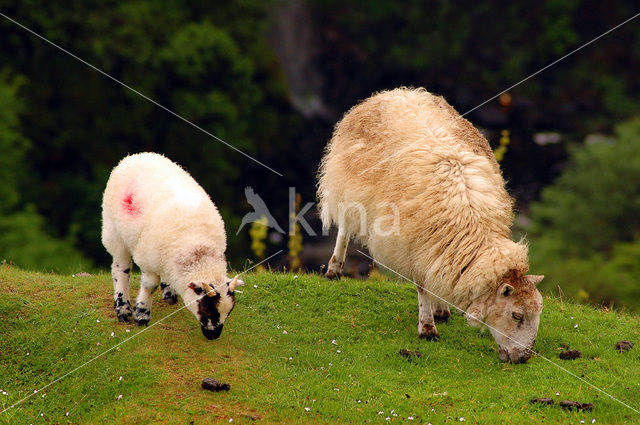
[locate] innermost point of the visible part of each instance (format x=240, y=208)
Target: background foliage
x=238, y=70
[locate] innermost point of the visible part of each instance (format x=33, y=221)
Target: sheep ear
x=535, y=278
x=506, y=290
x=235, y=282
x=196, y=288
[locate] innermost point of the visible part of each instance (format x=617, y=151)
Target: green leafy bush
x=23, y=236
x=585, y=232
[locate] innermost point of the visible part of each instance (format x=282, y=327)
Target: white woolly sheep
x=405, y=157
x=155, y=212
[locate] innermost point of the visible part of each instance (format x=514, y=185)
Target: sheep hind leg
x=120, y=271
x=336, y=263
x=426, y=325
x=142, y=310
x=441, y=313
x=168, y=294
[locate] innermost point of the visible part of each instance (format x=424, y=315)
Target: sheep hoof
x=141, y=315
x=124, y=316
x=332, y=275
x=441, y=316
x=429, y=337
x=167, y=294
x=428, y=332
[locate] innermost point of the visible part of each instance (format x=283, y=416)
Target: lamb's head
x=512, y=314
x=212, y=304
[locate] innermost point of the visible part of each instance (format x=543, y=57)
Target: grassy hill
x=337, y=362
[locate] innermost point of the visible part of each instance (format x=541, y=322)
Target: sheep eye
x=517, y=316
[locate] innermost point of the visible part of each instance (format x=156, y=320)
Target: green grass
x=49, y=326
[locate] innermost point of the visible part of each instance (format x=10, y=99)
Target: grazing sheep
x=419, y=186
x=155, y=212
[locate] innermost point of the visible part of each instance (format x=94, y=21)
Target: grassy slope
x=49, y=326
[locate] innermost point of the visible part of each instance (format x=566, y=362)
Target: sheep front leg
x=426, y=325
x=336, y=263
x=120, y=270
x=142, y=311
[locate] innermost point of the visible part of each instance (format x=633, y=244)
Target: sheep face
x=513, y=316
x=212, y=305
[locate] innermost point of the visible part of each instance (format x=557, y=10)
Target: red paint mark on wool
x=130, y=206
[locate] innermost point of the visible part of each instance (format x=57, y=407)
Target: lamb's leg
x=168, y=294
x=442, y=312
x=142, y=311
x=336, y=263
x=120, y=270
x=426, y=326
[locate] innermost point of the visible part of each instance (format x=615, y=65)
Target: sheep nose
x=212, y=333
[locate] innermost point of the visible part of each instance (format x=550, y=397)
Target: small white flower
x=43, y=395
x=295, y=277
x=119, y=397
x=593, y=421
x=41, y=414
x=330, y=364
x=359, y=401
x=307, y=409
x=35, y=391
x=285, y=332
x=395, y=414
x=392, y=411
x=97, y=320
x=339, y=351
x=128, y=330
x=387, y=418
x=255, y=286
x=333, y=341
x=336, y=389
x=410, y=418
x=66, y=414
x=120, y=379
x=113, y=334
x=230, y=420
x=461, y=419
x=290, y=358
x=381, y=413
x=28, y=353
x=575, y=326
x=557, y=393
x=581, y=421
x=98, y=344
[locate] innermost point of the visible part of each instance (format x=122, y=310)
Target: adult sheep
x=419, y=186
x=155, y=212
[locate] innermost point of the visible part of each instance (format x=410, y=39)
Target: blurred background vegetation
x=273, y=77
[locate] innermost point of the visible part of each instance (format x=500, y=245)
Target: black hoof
x=331, y=275
x=141, y=316
x=142, y=322
x=167, y=294
x=442, y=317
x=429, y=337
x=124, y=317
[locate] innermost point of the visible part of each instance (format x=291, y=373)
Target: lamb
x=155, y=212
x=418, y=185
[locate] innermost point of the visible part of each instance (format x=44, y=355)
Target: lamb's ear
x=196, y=287
x=506, y=290
x=235, y=282
x=534, y=278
